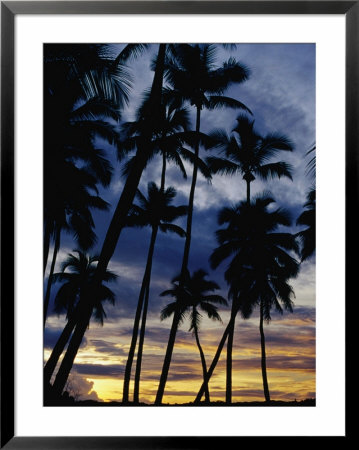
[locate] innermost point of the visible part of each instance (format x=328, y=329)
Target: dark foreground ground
x=71, y=402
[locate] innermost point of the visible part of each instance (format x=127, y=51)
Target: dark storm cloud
x=280, y=333
x=99, y=370
x=291, y=363
x=277, y=339
x=186, y=375
x=156, y=335
x=107, y=347
x=51, y=336
x=305, y=313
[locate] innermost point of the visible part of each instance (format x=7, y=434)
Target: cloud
x=52, y=334
x=283, y=363
x=281, y=94
x=80, y=388
x=99, y=370
x=107, y=347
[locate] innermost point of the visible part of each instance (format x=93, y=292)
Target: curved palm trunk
x=58, y=349
x=141, y=299
x=217, y=356
x=136, y=391
x=131, y=353
x=263, y=357
x=172, y=337
x=70, y=355
x=191, y=200
x=231, y=331
x=125, y=202
x=142, y=333
x=229, y=360
x=49, y=281
x=204, y=366
x=46, y=246
x=167, y=360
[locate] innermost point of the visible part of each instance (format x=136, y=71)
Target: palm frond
x=217, y=101
x=173, y=229
x=222, y=166
x=273, y=170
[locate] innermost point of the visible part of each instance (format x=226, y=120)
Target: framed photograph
x=168, y=277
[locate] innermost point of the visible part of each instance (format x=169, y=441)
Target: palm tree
x=82, y=94
x=157, y=212
x=81, y=87
x=248, y=153
x=76, y=203
x=260, y=265
x=68, y=299
x=189, y=297
x=76, y=297
x=169, y=134
x=119, y=218
x=194, y=78
x=307, y=217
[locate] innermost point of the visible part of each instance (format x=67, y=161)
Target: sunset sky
x=281, y=95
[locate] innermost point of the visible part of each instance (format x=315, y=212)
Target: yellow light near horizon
x=295, y=380
x=110, y=389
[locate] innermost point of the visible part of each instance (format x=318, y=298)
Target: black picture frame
x=9, y=9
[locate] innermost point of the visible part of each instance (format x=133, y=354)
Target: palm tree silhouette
x=157, y=212
x=76, y=297
x=73, y=213
x=189, y=297
x=248, y=153
x=307, y=217
x=260, y=266
x=81, y=88
x=119, y=218
x=193, y=76
x=169, y=135
x=81, y=96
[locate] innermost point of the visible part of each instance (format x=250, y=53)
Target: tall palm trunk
x=263, y=356
x=187, y=244
x=204, y=366
x=129, y=191
x=46, y=245
x=174, y=327
x=144, y=318
x=248, y=192
x=49, y=281
x=217, y=356
x=231, y=331
x=58, y=349
x=168, y=356
x=131, y=353
x=74, y=345
x=229, y=360
x=136, y=390
x=141, y=298
x=163, y=173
